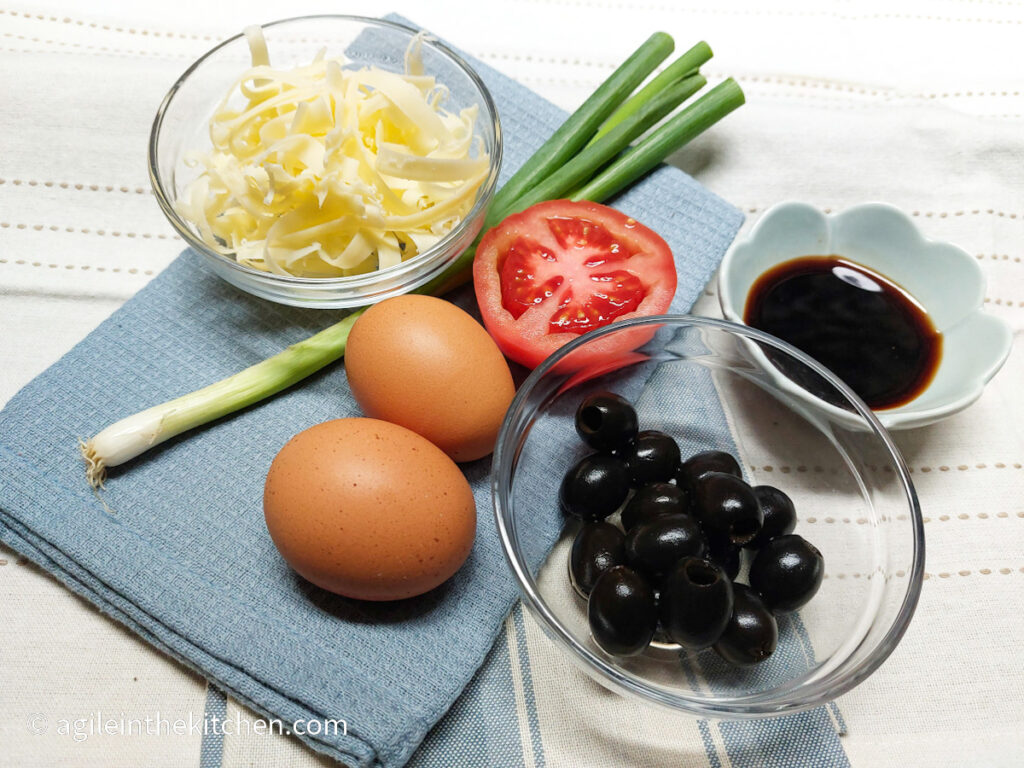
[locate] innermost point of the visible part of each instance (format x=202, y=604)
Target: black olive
x=596, y=548
x=623, y=612
x=727, y=508
x=595, y=487
x=698, y=465
x=652, y=548
x=695, y=603
x=652, y=457
x=606, y=421
x=786, y=572
x=726, y=554
x=752, y=632
x=653, y=500
x=779, y=515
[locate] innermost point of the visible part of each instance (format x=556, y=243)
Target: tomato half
x=562, y=268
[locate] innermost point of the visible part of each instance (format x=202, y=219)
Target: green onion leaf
x=684, y=66
x=582, y=168
x=583, y=123
x=666, y=139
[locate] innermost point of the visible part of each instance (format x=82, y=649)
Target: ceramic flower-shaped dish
x=945, y=280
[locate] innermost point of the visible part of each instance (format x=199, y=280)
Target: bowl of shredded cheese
x=327, y=161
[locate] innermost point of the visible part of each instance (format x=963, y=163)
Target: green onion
x=690, y=122
x=583, y=123
x=593, y=157
x=551, y=172
x=683, y=67
x=136, y=434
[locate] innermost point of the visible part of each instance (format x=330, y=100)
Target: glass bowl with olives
x=693, y=534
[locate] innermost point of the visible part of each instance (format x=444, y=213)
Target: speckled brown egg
x=424, y=363
x=369, y=509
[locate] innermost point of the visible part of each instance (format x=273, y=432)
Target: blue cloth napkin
x=183, y=556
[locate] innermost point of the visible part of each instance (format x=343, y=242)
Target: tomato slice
x=561, y=268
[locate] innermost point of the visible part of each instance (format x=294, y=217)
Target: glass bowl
x=181, y=126
x=705, y=382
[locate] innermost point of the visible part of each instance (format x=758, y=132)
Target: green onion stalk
x=592, y=156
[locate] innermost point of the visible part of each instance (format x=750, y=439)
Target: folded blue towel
x=184, y=559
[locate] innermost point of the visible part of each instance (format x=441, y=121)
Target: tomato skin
x=560, y=268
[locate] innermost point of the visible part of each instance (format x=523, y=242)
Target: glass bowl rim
x=746, y=706
x=432, y=255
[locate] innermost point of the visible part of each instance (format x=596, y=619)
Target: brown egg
x=426, y=364
x=369, y=510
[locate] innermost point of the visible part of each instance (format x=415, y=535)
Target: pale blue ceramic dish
x=946, y=280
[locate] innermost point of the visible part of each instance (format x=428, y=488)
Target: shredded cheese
x=327, y=170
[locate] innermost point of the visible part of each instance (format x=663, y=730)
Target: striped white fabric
x=919, y=104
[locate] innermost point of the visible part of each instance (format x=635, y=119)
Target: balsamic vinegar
x=859, y=324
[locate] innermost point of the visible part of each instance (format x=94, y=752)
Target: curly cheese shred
x=323, y=171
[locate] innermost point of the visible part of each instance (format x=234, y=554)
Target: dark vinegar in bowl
x=861, y=325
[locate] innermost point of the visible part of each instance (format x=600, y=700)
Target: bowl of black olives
x=691, y=533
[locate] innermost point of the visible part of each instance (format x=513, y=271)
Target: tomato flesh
x=560, y=269
x=617, y=293
x=522, y=282
x=579, y=281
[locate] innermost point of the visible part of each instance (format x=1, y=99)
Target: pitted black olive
x=595, y=487
x=727, y=508
x=700, y=464
x=787, y=572
x=779, y=515
x=695, y=603
x=606, y=421
x=652, y=548
x=598, y=547
x=752, y=632
x=653, y=500
x=622, y=611
x=652, y=457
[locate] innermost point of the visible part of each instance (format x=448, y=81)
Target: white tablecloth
x=920, y=104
